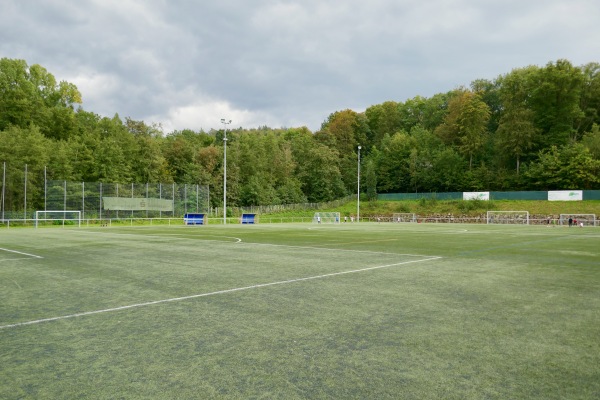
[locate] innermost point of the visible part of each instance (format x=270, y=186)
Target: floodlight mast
x=358, y=189
x=225, y=123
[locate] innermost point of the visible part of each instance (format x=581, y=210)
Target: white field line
x=19, y=252
x=182, y=235
x=241, y=242
x=261, y=285
x=341, y=250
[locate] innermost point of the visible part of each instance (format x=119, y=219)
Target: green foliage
x=344, y=131
x=402, y=208
x=516, y=133
x=428, y=202
x=555, y=101
x=570, y=167
x=31, y=95
x=25, y=153
x=589, y=101
x=591, y=140
x=533, y=128
x=465, y=124
x=393, y=168
x=467, y=206
x=370, y=180
x=60, y=222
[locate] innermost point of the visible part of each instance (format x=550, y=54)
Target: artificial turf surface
x=300, y=311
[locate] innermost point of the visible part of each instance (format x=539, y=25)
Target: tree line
x=534, y=128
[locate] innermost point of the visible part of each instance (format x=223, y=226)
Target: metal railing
x=170, y=221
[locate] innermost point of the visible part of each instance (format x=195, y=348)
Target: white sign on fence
x=476, y=195
x=565, y=195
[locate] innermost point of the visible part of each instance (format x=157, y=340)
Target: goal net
x=58, y=217
x=578, y=219
x=508, y=217
x=326, y=218
x=404, y=217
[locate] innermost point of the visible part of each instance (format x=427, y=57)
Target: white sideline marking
x=182, y=235
x=19, y=252
x=238, y=240
x=149, y=303
x=344, y=250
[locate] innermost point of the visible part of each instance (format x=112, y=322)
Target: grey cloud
x=288, y=63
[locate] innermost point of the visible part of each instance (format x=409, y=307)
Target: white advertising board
x=565, y=195
x=476, y=195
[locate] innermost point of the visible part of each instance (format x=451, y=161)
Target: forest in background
x=534, y=128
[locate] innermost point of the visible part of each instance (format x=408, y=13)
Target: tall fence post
x=25, y=195
x=83, y=199
x=3, y=187
x=100, y=201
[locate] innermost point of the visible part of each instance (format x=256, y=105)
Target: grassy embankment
x=430, y=207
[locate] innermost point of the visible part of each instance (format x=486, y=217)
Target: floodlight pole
x=358, y=189
x=225, y=123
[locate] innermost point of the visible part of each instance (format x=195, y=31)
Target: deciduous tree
x=465, y=125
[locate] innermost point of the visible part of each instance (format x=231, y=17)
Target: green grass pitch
x=300, y=311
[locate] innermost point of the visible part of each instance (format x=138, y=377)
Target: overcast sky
x=187, y=64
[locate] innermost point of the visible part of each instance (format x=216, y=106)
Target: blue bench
x=193, y=219
x=248, y=219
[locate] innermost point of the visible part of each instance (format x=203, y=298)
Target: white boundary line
x=342, y=250
x=19, y=252
x=241, y=242
x=181, y=235
x=261, y=285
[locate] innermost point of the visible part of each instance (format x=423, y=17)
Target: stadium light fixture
x=358, y=189
x=225, y=123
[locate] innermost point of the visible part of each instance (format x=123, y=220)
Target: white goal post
x=404, y=217
x=326, y=218
x=508, y=217
x=578, y=219
x=61, y=217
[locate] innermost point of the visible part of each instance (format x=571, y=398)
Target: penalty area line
x=225, y=291
x=21, y=253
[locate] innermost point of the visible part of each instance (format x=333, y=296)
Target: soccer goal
x=578, y=219
x=326, y=218
x=404, y=217
x=508, y=217
x=58, y=217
